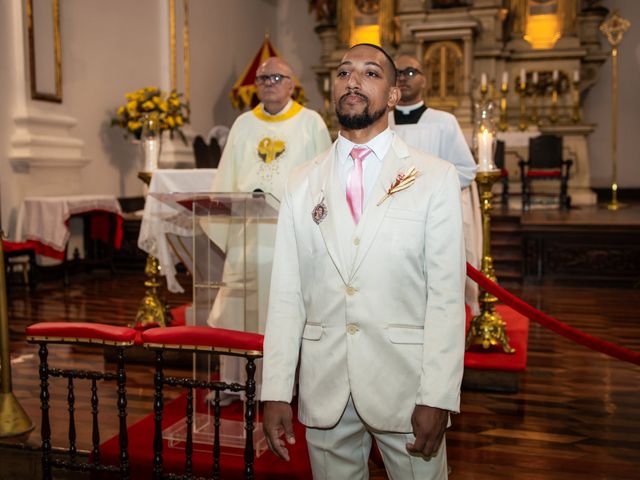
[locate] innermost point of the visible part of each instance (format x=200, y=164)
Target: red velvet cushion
x=517, y=329
x=10, y=247
x=544, y=173
x=204, y=337
x=82, y=330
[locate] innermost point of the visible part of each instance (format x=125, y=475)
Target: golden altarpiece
x=555, y=43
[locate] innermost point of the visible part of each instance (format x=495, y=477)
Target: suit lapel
x=394, y=162
x=324, y=187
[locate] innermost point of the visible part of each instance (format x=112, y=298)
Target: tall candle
x=505, y=78
x=523, y=78
x=556, y=75
x=326, y=84
x=535, y=78
x=576, y=76
x=485, y=143
x=483, y=81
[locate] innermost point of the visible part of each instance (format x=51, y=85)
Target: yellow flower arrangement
x=172, y=113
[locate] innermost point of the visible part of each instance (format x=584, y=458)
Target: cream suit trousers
x=342, y=452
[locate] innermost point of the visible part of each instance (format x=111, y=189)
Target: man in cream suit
x=367, y=293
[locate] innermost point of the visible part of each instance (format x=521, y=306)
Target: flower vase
x=151, y=141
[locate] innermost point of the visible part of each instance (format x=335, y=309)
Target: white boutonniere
x=402, y=182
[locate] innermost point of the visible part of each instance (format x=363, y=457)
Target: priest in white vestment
x=263, y=146
x=438, y=133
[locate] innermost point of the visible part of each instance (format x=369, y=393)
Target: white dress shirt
x=371, y=165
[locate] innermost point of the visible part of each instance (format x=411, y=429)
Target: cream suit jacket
x=375, y=311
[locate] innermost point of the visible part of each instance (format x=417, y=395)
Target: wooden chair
x=23, y=254
x=207, y=156
x=545, y=162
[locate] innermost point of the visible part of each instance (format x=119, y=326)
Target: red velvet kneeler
x=266, y=467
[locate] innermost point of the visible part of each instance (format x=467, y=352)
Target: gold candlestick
x=487, y=328
x=14, y=421
x=553, y=113
x=535, y=119
x=614, y=28
x=575, y=110
x=503, y=123
x=152, y=309
x=522, y=121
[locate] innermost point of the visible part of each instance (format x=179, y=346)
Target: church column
x=44, y=157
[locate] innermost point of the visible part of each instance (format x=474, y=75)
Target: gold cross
x=269, y=149
x=614, y=28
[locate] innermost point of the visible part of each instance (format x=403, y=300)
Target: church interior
x=95, y=233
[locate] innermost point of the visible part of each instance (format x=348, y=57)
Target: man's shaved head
x=274, y=65
x=389, y=67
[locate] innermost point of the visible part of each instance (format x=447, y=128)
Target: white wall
x=7, y=89
x=109, y=48
x=299, y=45
x=597, y=107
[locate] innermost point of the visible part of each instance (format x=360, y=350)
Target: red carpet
x=267, y=466
x=494, y=358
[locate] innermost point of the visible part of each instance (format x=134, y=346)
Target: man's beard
x=361, y=120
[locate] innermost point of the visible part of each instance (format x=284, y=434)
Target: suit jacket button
x=352, y=329
x=356, y=241
x=351, y=290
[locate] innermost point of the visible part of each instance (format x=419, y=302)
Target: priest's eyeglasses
x=273, y=79
x=409, y=72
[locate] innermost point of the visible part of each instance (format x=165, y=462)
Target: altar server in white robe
x=438, y=133
x=367, y=293
x=263, y=146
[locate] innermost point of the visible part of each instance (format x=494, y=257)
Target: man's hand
x=277, y=418
x=429, y=424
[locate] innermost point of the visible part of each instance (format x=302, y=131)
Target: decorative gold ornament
x=402, y=182
x=487, y=328
x=614, y=28
x=152, y=309
x=13, y=419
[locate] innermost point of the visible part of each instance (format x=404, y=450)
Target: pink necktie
x=355, y=188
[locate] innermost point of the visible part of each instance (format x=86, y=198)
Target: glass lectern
x=232, y=245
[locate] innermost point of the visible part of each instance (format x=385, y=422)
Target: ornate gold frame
x=57, y=51
x=172, y=49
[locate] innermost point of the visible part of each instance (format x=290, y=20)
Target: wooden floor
x=576, y=416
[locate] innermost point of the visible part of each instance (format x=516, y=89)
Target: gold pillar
x=152, y=309
x=487, y=328
x=614, y=28
x=14, y=421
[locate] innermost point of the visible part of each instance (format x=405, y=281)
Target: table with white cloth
x=164, y=233
x=45, y=221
